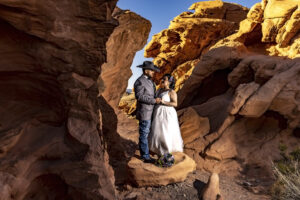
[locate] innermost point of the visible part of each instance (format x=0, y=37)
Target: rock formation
x=144, y=174
x=241, y=88
x=177, y=49
x=256, y=106
x=212, y=189
x=238, y=78
x=120, y=133
x=129, y=37
x=51, y=136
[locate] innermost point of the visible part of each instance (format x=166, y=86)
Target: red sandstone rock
x=212, y=188
x=129, y=37
x=190, y=33
x=145, y=174
x=51, y=139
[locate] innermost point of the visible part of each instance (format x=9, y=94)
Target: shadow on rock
x=199, y=185
x=119, y=149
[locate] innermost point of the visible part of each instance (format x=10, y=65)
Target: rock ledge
x=144, y=174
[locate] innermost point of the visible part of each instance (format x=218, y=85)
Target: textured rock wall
x=177, y=49
x=247, y=86
x=129, y=37
x=51, y=136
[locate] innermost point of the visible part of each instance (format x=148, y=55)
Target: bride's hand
x=162, y=102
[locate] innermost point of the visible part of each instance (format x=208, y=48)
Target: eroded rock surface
x=212, y=188
x=190, y=33
x=145, y=174
x=51, y=136
x=261, y=82
x=129, y=37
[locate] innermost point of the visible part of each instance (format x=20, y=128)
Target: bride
x=165, y=134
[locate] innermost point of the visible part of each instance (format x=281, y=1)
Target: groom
x=144, y=89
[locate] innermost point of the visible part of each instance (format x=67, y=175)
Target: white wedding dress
x=165, y=136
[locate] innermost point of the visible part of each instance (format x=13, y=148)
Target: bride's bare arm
x=173, y=98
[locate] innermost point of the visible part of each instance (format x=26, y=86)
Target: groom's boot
x=150, y=160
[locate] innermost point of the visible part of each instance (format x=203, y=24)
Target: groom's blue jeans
x=144, y=130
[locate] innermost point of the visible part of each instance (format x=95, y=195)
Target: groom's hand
x=158, y=100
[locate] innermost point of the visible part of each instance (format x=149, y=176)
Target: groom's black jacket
x=144, y=90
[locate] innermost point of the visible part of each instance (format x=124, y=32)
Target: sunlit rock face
x=51, y=136
x=129, y=37
x=177, y=48
x=248, y=86
x=276, y=25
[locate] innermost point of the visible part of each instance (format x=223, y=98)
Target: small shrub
x=282, y=147
x=287, y=171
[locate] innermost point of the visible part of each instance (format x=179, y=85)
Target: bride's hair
x=172, y=81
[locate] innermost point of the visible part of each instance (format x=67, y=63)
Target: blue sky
x=160, y=13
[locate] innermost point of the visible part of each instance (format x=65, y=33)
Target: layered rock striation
x=51, y=135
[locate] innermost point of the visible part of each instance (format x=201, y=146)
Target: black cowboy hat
x=149, y=65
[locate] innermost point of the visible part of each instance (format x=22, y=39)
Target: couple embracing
x=157, y=116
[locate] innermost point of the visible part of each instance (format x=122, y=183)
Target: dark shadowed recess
x=214, y=85
x=254, y=36
x=120, y=150
x=34, y=101
x=48, y=186
x=199, y=186
x=296, y=132
x=253, y=42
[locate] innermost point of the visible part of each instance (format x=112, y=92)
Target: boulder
x=242, y=93
x=145, y=174
x=262, y=99
x=192, y=125
x=212, y=189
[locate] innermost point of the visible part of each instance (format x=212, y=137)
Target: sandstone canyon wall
x=120, y=132
x=51, y=136
x=238, y=87
x=238, y=90
x=129, y=37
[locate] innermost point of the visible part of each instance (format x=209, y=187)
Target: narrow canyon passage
x=67, y=131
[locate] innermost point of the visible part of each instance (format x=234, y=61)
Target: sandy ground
x=190, y=189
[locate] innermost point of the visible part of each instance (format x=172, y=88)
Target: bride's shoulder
x=171, y=91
